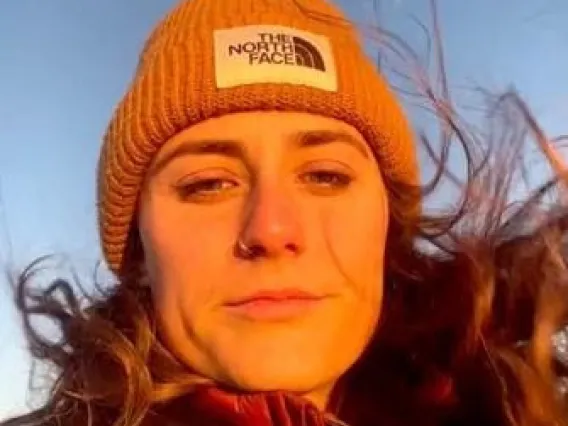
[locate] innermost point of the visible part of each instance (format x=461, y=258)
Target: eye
x=205, y=189
x=326, y=180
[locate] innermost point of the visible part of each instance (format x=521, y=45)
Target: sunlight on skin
x=288, y=185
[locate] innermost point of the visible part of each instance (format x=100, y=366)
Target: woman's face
x=305, y=195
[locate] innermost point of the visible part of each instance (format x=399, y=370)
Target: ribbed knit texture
x=174, y=87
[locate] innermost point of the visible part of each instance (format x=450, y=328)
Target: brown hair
x=473, y=298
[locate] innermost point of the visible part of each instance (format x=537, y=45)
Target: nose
x=272, y=226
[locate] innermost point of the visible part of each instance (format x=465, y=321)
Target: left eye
x=327, y=179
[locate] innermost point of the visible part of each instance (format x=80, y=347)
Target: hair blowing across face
x=473, y=297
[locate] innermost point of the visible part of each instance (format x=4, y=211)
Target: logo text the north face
x=273, y=54
x=280, y=49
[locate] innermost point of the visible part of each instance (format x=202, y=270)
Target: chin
x=296, y=382
x=297, y=358
x=293, y=372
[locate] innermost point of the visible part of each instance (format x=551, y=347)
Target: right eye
x=204, y=189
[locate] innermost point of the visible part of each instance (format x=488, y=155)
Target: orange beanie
x=212, y=57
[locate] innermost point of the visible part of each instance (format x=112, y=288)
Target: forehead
x=246, y=130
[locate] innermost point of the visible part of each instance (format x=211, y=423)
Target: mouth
x=278, y=305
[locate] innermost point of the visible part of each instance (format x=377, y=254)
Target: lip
x=275, y=305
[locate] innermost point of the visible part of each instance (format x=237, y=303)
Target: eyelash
x=200, y=189
x=333, y=181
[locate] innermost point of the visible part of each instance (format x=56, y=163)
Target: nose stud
x=244, y=249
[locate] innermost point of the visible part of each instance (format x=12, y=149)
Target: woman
x=259, y=203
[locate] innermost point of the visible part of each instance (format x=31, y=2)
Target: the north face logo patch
x=273, y=54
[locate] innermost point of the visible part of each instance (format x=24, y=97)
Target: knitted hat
x=208, y=58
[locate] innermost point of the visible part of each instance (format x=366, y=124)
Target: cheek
x=179, y=253
x=356, y=239
x=355, y=236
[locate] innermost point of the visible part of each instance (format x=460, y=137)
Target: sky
x=64, y=64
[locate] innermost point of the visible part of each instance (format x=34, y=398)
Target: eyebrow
x=325, y=137
x=233, y=148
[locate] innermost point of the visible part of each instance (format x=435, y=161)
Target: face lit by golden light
x=294, y=308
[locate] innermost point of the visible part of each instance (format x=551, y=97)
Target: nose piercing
x=246, y=250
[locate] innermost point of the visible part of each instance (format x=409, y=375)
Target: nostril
x=291, y=247
x=249, y=251
x=257, y=250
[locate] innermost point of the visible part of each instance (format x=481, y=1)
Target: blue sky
x=65, y=63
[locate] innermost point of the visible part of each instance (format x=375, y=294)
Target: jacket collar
x=209, y=405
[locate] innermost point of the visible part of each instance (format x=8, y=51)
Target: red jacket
x=211, y=406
